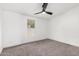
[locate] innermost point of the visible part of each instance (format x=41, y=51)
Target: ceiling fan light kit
x=43, y=12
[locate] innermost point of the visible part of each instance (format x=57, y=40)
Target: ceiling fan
x=44, y=6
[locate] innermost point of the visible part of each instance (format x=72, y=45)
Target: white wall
x=40, y=30
x=65, y=28
x=15, y=29
x=0, y=30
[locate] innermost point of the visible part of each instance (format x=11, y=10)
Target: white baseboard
x=67, y=42
x=24, y=43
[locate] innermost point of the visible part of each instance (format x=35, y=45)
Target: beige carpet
x=42, y=48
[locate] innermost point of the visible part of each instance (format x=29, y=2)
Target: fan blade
x=44, y=6
x=38, y=12
x=49, y=12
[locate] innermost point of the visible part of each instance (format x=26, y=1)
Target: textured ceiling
x=31, y=8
